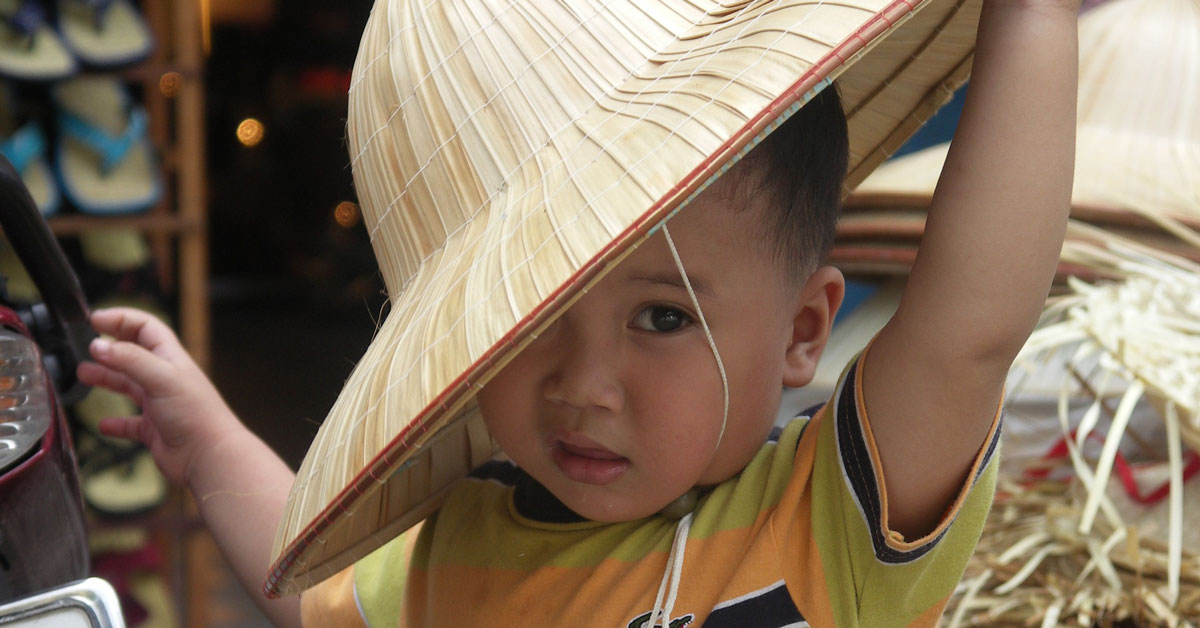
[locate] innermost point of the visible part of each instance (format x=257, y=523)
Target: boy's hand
x=183, y=415
x=240, y=485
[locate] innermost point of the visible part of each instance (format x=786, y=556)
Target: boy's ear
x=816, y=307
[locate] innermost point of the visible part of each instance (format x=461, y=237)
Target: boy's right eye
x=662, y=319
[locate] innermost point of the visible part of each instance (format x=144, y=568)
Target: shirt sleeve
x=852, y=570
x=368, y=593
x=331, y=603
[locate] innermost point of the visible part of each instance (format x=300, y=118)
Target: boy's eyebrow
x=674, y=280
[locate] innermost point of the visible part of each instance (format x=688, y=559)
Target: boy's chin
x=612, y=509
x=612, y=513
x=610, y=505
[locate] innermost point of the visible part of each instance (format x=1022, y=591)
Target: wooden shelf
x=151, y=72
x=155, y=223
x=180, y=127
x=177, y=230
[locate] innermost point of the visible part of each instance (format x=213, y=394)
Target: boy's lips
x=583, y=460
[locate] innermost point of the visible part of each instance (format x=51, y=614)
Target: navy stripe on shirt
x=771, y=607
x=859, y=471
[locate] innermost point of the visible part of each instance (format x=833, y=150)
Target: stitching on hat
x=629, y=171
x=424, y=312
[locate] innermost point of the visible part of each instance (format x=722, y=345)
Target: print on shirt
x=643, y=621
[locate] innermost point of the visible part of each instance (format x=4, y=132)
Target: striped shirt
x=795, y=539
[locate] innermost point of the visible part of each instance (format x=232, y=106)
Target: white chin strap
x=707, y=332
x=661, y=615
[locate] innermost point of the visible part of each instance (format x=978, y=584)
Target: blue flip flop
x=24, y=146
x=30, y=49
x=104, y=34
x=105, y=161
x=25, y=149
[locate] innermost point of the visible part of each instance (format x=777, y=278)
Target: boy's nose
x=586, y=371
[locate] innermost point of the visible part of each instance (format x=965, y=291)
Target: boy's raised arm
x=934, y=377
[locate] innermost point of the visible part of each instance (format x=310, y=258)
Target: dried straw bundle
x=1034, y=568
x=1144, y=329
x=1056, y=553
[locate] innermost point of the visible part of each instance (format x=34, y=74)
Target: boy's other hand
x=183, y=415
x=240, y=485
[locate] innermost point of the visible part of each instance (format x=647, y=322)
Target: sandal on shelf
x=115, y=250
x=105, y=163
x=30, y=50
x=104, y=34
x=116, y=268
x=24, y=145
x=118, y=477
x=124, y=485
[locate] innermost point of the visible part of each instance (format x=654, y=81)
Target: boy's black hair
x=796, y=175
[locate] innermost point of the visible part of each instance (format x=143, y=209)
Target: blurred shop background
x=190, y=156
x=294, y=286
x=293, y=278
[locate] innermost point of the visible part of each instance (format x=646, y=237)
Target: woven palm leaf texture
x=1137, y=154
x=507, y=153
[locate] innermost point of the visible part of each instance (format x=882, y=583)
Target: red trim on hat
x=880, y=23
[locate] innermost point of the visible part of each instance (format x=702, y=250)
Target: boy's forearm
x=997, y=219
x=240, y=487
x=935, y=372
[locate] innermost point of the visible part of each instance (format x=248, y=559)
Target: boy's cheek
x=491, y=407
x=507, y=416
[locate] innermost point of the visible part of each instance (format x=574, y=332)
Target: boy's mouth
x=587, y=463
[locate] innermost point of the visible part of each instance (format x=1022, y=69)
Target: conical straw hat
x=507, y=153
x=1138, y=140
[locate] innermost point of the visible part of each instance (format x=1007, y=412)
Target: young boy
x=637, y=420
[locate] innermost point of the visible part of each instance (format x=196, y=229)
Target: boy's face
x=616, y=407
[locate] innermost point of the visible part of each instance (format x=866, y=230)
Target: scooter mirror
x=60, y=323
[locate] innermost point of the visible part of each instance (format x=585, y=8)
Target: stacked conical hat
x=1137, y=165
x=506, y=154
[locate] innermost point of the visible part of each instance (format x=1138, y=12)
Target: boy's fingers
x=152, y=373
x=133, y=325
x=94, y=374
x=128, y=428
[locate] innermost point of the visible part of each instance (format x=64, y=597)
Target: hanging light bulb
x=169, y=82
x=250, y=132
x=346, y=214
